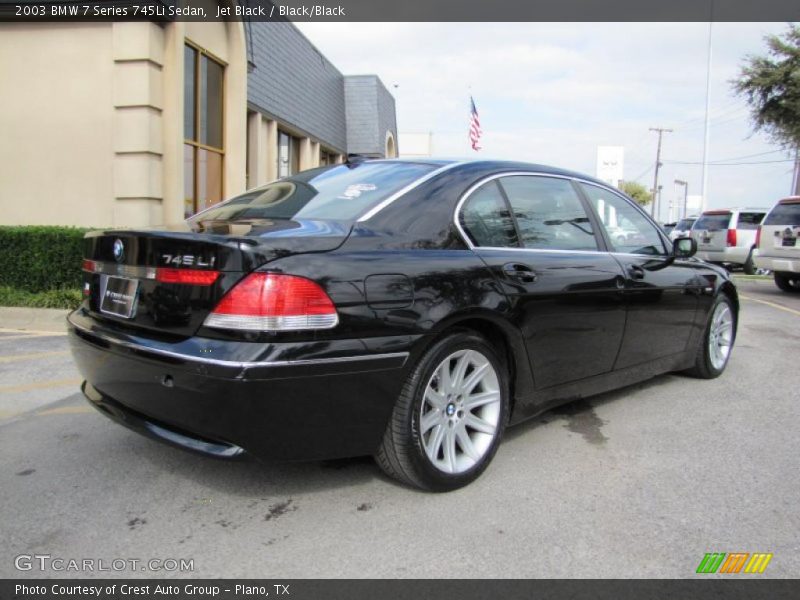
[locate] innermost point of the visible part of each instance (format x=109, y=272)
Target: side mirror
x=684, y=247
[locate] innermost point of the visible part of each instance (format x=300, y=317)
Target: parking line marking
x=10, y=389
x=65, y=410
x=31, y=331
x=772, y=304
x=29, y=336
x=15, y=357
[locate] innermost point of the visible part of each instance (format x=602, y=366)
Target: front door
x=661, y=292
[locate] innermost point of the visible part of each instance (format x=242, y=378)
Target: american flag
x=474, y=126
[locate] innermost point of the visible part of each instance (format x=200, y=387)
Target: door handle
x=635, y=272
x=519, y=272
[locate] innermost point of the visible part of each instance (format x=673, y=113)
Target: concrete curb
x=33, y=319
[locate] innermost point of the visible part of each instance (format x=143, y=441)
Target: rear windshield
x=713, y=222
x=341, y=193
x=784, y=214
x=684, y=225
x=749, y=220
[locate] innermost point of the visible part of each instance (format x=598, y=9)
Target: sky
x=550, y=93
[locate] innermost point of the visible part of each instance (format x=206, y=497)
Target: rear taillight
x=88, y=265
x=758, y=236
x=274, y=302
x=731, y=237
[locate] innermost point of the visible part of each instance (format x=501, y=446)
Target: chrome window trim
x=465, y=196
x=233, y=363
x=401, y=192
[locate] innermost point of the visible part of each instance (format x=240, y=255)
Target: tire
x=431, y=425
x=748, y=267
x=720, y=330
x=787, y=283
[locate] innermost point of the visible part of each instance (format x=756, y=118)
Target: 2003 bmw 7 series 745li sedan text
x=409, y=310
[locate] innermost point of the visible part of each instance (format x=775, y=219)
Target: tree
x=771, y=86
x=637, y=191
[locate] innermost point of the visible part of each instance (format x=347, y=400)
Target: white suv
x=728, y=236
x=778, y=244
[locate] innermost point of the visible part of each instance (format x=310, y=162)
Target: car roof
x=499, y=165
x=720, y=211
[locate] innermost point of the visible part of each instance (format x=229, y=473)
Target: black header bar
x=402, y=10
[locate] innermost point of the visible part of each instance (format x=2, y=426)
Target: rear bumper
x=774, y=263
x=736, y=255
x=285, y=401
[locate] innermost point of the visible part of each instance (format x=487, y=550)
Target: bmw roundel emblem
x=119, y=250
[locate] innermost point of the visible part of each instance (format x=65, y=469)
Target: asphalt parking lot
x=641, y=482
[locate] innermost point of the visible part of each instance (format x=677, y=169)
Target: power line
x=730, y=164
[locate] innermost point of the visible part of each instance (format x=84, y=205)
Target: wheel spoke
x=435, y=443
x=475, y=422
x=429, y=420
x=475, y=377
x=450, y=450
x=434, y=398
x=461, y=367
x=466, y=444
x=477, y=400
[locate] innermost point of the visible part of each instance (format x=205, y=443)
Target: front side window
x=341, y=193
x=203, y=152
x=629, y=231
x=548, y=212
x=486, y=218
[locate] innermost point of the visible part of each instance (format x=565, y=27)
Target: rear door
x=535, y=234
x=661, y=293
x=711, y=230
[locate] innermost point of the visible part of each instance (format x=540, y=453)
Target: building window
x=326, y=158
x=288, y=154
x=202, y=129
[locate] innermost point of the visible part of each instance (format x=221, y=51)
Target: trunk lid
x=167, y=280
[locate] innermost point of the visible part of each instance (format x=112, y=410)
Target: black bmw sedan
x=406, y=310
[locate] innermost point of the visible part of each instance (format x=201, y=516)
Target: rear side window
x=787, y=213
x=749, y=220
x=487, y=220
x=713, y=221
x=549, y=214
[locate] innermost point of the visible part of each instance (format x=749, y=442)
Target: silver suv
x=728, y=236
x=779, y=244
x=682, y=229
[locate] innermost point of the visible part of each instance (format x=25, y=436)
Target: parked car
x=404, y=309
x=728, y=236
x=668, y=227
x=778, y=248
x=683, y=228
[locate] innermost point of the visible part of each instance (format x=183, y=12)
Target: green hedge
x=63, y=298
x=41, y=258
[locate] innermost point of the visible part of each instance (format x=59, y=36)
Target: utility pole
x=796, y=176
x=660, y=131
